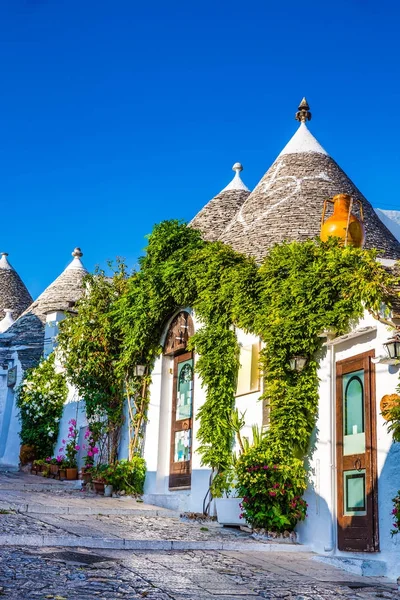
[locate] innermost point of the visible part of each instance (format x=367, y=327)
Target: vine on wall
x=300, y=290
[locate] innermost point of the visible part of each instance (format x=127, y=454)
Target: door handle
x=357, y=464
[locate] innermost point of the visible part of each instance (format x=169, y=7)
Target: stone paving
x=66, y=517
x=62, y=574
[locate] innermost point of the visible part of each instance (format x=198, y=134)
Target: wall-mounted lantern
x=393, y=347
x=297, y=363
x=139, y=370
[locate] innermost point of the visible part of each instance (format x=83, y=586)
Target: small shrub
x=127, y=475
x=272, y=489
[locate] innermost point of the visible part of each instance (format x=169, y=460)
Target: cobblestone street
x=92, y=566
x=60, y=574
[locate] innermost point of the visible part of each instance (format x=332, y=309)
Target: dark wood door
x=181, y=422
x=357, y=505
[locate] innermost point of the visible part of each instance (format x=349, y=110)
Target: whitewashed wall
x=158, y=437
x=10, y=425
x=320, y=529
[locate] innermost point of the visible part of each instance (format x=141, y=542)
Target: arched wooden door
x=180, y=471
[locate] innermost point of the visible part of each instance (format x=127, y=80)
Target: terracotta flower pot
x=72, y=473
x=54, y=470
x=62, y=474
x=98, y=486
x=86, y=477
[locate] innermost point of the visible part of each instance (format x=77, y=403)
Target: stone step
x=365, y=566
x=73, y=541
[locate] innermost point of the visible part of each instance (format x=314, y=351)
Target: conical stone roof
x=288, y=201
x=213, y=219
x=13, y=292
x=63, y=293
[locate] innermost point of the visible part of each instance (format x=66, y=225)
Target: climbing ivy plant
x=300, y=290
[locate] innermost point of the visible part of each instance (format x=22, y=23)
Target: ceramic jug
x=343, y=223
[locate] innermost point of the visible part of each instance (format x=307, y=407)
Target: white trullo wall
x=319, y=530
x=158, y=434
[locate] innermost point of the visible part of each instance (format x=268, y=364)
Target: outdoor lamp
x=393, y=346
x=139, y=370
x=297, y=363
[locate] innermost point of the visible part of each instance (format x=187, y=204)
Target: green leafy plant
x=90, y=344
x=127, y=475
x=272, y=489
x=40, y=399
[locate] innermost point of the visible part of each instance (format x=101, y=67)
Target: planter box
x=72, y=473
x=228, y=511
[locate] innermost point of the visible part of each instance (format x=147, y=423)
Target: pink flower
x=87, y=434
x=61, y=449
x=72, y=422
x=272, y=493
x=275, y=467
x=77, y=448
x=48, y=459
x=265, y=467
x=276, y=485
x=90, y=453
x=63, y=442
x=394, y=511
x=95, y=450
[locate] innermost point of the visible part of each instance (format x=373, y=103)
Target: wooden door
x=181, y=422
x=357, y=505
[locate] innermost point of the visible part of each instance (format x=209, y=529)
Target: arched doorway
x=180, y=467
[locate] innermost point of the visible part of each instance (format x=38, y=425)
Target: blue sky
x=116, y=115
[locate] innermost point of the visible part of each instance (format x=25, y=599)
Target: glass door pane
x=353, y=413
x=355, y=499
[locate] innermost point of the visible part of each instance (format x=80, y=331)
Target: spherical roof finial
x=303, y=112
x=237, y=167
x=77, y=253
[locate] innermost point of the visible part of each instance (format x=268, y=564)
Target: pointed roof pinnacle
x=76, y=263
x=303, y=112
x=236, y=183
x=4, y=264
x=77, y=253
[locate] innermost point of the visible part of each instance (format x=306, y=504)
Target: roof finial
x=77, y=253
x=303, y=112
x=237, y=167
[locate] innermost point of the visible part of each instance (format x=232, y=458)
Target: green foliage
x=40, y=399
x=300, y=290
x=124, y=475
x=271, y=487
x=396, y=515
x=91, y=345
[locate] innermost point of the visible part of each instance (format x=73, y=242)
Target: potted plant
x=92, y=450
x=227, y=502
x=71, y=451
x=98, y=477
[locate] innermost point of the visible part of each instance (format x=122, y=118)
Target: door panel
x=356, y=454
x=181, y=422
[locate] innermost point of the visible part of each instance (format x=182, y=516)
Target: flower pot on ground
x=54, y=470
x=98, y=486
x=86, y=475
x=108, y=490
x=229, y=511
x=72, y=473
x=62, y=473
